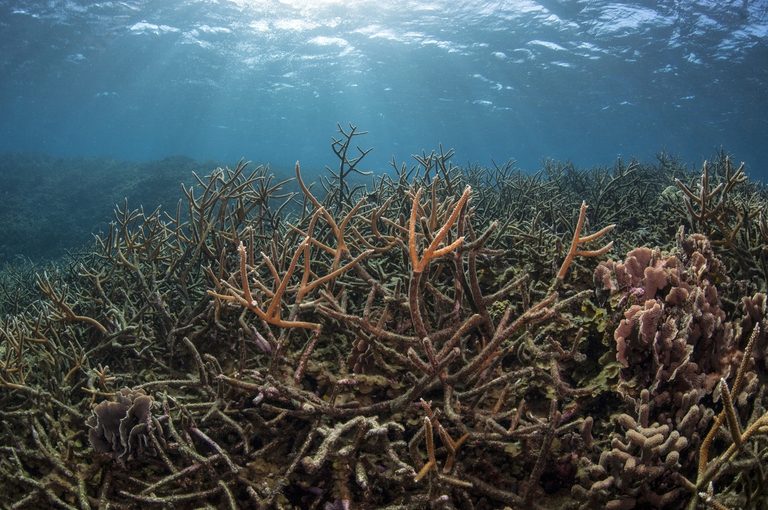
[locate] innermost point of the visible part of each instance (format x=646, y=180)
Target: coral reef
x=448, y=338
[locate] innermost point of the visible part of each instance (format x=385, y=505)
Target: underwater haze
x=268, y=80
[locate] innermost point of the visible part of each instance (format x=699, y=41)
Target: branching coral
x=416, y=346
x=640, y=468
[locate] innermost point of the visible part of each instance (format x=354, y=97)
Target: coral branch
x=578, y=239
x=434, y=250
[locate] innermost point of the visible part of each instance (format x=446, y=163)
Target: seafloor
x=442, y=337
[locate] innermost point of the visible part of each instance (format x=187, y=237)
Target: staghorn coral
x=434, y=343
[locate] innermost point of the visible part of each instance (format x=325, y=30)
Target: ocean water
x=268, y=80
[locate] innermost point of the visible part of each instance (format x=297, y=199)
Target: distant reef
x=49, y=205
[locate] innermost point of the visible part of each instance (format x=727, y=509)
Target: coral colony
x=448, y=337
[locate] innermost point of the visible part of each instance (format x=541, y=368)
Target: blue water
x=269, y=80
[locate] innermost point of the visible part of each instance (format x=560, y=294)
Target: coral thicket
x=443, y=337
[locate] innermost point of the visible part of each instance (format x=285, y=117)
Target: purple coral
x=673, y=330
x=122, y=426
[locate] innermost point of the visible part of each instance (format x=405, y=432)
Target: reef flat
x=443, y=337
